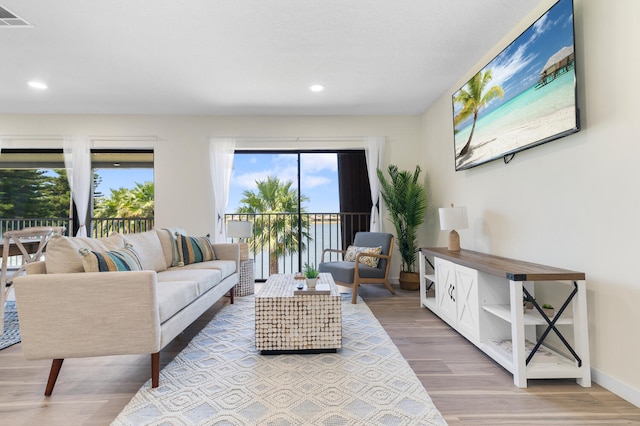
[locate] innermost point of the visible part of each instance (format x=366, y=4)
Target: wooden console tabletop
x=511, y=269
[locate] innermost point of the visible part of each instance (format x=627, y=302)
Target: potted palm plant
x=406, y=201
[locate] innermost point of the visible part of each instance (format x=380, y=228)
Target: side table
x=246, y=283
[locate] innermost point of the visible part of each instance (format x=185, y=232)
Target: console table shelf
x=563, y=369
x=532, y=318
x=481, y=297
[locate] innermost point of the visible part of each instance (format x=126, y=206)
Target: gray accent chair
x=352, y=274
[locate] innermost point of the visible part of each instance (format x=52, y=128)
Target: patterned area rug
x=11, y=334
x=220, y=379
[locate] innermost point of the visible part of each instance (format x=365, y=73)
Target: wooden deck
x=466, y=385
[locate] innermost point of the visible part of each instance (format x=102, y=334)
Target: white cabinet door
x=446, y=290
x=467, y=301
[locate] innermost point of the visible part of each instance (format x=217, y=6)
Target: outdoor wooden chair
x=29, y=243
x=353, y=273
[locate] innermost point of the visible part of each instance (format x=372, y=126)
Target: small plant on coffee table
x=310, y=271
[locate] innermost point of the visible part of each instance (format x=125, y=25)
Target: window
x=292, y=227
x=123, y=197
x=34, y=190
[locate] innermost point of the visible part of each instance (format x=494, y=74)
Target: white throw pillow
x=149, y=250
x=62, y=253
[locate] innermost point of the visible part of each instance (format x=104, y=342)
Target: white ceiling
x=245, y=56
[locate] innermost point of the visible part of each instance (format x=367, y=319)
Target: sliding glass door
x=294, y=200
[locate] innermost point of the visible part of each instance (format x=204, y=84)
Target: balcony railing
x=103, y=227
x=320, y=231
x=17, y=224
x=100, y=227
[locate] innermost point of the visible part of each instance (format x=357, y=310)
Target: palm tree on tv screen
x=473, y=101
x=275, y=224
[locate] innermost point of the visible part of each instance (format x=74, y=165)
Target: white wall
x=181, y=154
x=574, y=202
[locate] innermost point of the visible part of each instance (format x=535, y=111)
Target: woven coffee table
x=303, y=323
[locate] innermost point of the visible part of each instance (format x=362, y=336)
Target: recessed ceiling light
x=37, y=85
x=317, y=88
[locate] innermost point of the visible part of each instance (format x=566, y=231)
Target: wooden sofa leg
x=56, y=365
x=155, y=370
x=232, y=294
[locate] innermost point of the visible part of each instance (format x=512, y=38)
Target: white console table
x=481, y=297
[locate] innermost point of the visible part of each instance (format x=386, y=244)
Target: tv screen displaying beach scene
x=524, y=97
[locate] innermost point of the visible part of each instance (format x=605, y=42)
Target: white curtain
x=374, y=146
x=221, y=152
x=77, y=161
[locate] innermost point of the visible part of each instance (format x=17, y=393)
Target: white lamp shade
x=238, y=229
x=453, y=218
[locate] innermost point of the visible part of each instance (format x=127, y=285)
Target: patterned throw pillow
x=194, y=249
x=124, y=259
x=352, y=252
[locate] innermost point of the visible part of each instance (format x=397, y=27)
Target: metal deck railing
x=319, y=231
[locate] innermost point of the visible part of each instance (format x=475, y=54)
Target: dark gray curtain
x=355, y=196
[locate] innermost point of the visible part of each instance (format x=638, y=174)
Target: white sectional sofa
x=66, y=312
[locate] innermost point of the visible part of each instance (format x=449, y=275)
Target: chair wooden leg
x=386, y=283
x=56, y=365
x=155, y=370
x=354, y=298
x=232, y=295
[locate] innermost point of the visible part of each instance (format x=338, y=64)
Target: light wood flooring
x=466, y=386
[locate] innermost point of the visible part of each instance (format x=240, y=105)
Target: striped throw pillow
x=194, y=249
x=124, y=259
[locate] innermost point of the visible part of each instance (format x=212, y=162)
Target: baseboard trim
x=616, y=386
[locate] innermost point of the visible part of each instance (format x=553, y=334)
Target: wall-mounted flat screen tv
x=524, y=97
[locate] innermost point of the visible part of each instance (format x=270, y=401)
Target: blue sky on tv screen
x=518, y=66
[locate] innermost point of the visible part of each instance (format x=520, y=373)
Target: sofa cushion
x=194, y=249
x=226, y=267
x=62, y=254
x=345, y=271
x=124, y=259
x=205, y=279
x=149, y=249
x=173, y=296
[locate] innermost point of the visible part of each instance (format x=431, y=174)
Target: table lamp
x=240, y=229
x=452, y=218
